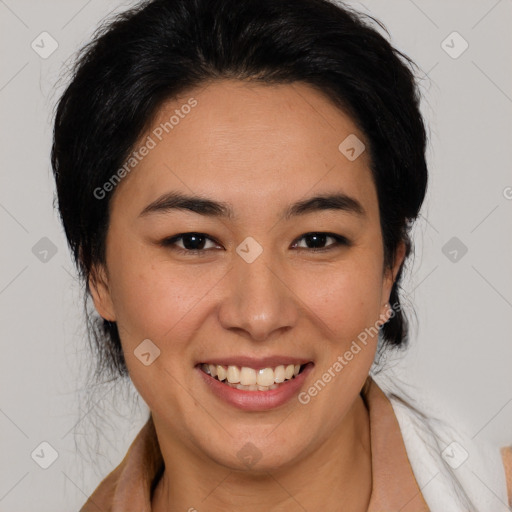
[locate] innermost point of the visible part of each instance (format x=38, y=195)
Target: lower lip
x=257, y=400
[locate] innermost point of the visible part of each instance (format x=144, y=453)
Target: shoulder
x=506, y=454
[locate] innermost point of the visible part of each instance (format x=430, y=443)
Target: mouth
x=245, y=378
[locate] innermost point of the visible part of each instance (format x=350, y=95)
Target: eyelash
x=170, y=242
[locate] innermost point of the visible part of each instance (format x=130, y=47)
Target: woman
x=237, y=182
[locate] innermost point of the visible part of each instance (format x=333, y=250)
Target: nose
x=259, y=303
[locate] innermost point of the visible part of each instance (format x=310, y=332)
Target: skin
x=290, y=300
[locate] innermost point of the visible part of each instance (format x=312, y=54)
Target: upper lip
x=256, y=362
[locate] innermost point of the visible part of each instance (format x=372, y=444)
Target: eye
x=318, y=240
x=197, y=243
x=192, y=243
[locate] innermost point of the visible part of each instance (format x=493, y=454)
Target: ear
x=391, y=273
x=100, y=292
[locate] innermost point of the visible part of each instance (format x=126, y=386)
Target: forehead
x=246, y=143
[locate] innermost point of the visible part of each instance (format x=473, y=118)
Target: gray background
x=461, y=352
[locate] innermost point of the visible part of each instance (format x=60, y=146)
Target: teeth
x=247, y=376
x=253, y=387
x=222, y=372
x=279, y=374
x=265, y=377
x=288, y=371
x=250, y=379
x=233, y=374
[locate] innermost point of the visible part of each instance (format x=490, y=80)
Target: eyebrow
x=208, y=207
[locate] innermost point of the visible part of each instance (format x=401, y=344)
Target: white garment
x=476, y=485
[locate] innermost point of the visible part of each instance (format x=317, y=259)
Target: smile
x=251, y=379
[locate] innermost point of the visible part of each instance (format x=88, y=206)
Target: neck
x=336, y=476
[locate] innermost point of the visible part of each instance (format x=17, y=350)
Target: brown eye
x=191, y=242
x=316, y=241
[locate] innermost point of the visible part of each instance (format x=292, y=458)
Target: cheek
x=347, y=298
x=157, y=299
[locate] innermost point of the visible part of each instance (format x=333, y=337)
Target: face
x=260, y=276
